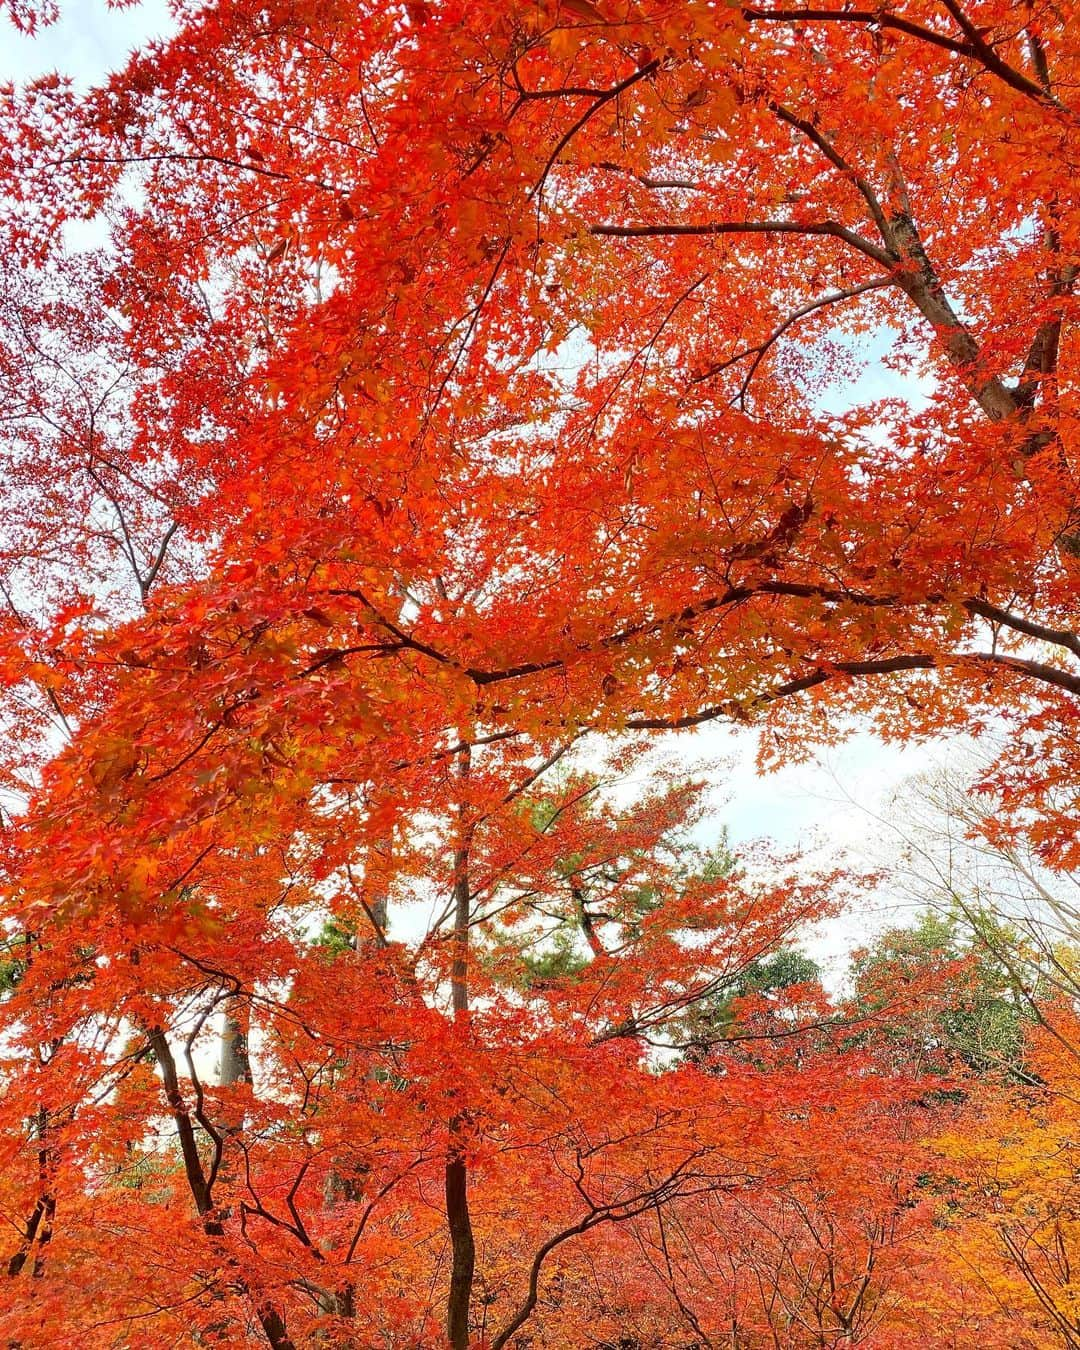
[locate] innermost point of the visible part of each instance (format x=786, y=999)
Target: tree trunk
x=458, y=1220
x=200, y=1183
x=39, y=1226
x=234, y=1061
x=462, y=1245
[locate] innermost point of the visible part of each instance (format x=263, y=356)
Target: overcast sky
x=89, y=40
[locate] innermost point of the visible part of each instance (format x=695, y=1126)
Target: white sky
x=827, y=808
x=88, y=40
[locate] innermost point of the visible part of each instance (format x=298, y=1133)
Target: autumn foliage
x=406, y=412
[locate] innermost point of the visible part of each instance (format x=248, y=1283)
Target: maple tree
x=1009, y=1236
x=457, y=387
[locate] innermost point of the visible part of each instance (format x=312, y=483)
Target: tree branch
x=974, y=47
x=830, y=228
x=642, y=73
x=759, y=352
x=817, y=138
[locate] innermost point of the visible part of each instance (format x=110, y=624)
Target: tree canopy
x=458, y=396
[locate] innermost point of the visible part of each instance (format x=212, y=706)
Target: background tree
x=947, y=996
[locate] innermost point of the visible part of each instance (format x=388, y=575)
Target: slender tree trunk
x=462, y=1244
x=234, y=1060
x=458, y=1219
x=200, y=1182
x=39, y=1226
x=350, y=1186
x=379, y=913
